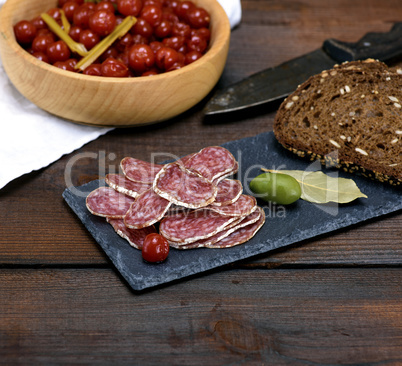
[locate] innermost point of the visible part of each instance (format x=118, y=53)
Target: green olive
x=276, y=187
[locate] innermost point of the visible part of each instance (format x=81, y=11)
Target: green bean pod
x=275, y=187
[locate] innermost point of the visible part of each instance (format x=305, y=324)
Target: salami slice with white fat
x=227, y=174
x=174, y=209
x=146, y=210
x=139, y=171
x=212, y=162
x=133, y=236
x=243, y=206
x=123, y=185
x=239, y=236
x=229, y=190
x=209, y=242
x=188, y=227
x=183, y=187
x=107, y=202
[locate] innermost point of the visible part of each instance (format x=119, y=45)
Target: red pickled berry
x=89, y=38
x=175, y=66
x=72, y=62
x=181, y=29
x=82, y=14
x=123, y=57
x=192, y=56
x=94, y=70
x=54, y=13
x=114, y=68
x=41, y=56
x=129, y=7
x=183, y=49
x=155, y=46
x=143, y=28
x=105, y=5
x=171, y=3
x=197, y=43
x=183, y=8
x=45, y=31
x=151, y=72
x=102, y=22
x=69, y=8
x=155, y=248
x=141, y=58
x=163, y=29
x=124, y=42
x=152, y=14
x=39, y=23
x=64, y=65
x=25, y=32
x=110, y=52
x=62, y=2
x=119, y=19
x=153, y=2
x=198, y=17
x=139, y=39
x=169, y=15
x=41, y=42
x=176, y=42
x=202, y=32
x=179, y=63
x=75, y=32
x=58, y=51
x=166, y=57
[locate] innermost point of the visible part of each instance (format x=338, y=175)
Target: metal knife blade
x=277, y=82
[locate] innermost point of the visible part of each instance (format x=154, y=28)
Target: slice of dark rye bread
x=349, y=117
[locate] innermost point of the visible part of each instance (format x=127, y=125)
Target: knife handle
x=380, y=46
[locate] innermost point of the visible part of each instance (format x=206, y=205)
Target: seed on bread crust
x=335, y=143
x=361, y=151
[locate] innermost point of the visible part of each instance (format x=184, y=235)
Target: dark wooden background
x=332, y=300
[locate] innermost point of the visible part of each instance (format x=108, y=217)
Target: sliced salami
x=201, y=243
x=243, y=206
x=183, y=187
x=188, y=227
x=229, y=190
x=134, y=237
x=191, y=200
x=147, y=209
x=174, y=209
x=123, y=185
x=139, y=171
x=227, y=174
x=235, y=225
x=239, y=236
x=212, y=162
x=107, y=202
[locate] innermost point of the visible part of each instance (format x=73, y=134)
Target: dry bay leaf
x=318, y=187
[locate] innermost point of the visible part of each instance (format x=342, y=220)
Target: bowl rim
x=218, y=40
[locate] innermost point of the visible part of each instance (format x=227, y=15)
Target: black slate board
x=284, y=225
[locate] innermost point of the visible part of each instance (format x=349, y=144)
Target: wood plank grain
x=276, y=317
x=38, y=228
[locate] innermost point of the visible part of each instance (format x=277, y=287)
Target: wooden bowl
x=103, y=101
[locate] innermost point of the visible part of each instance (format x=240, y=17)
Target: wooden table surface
x=332, y=300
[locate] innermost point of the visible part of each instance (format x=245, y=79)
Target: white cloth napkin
x=31, y=138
